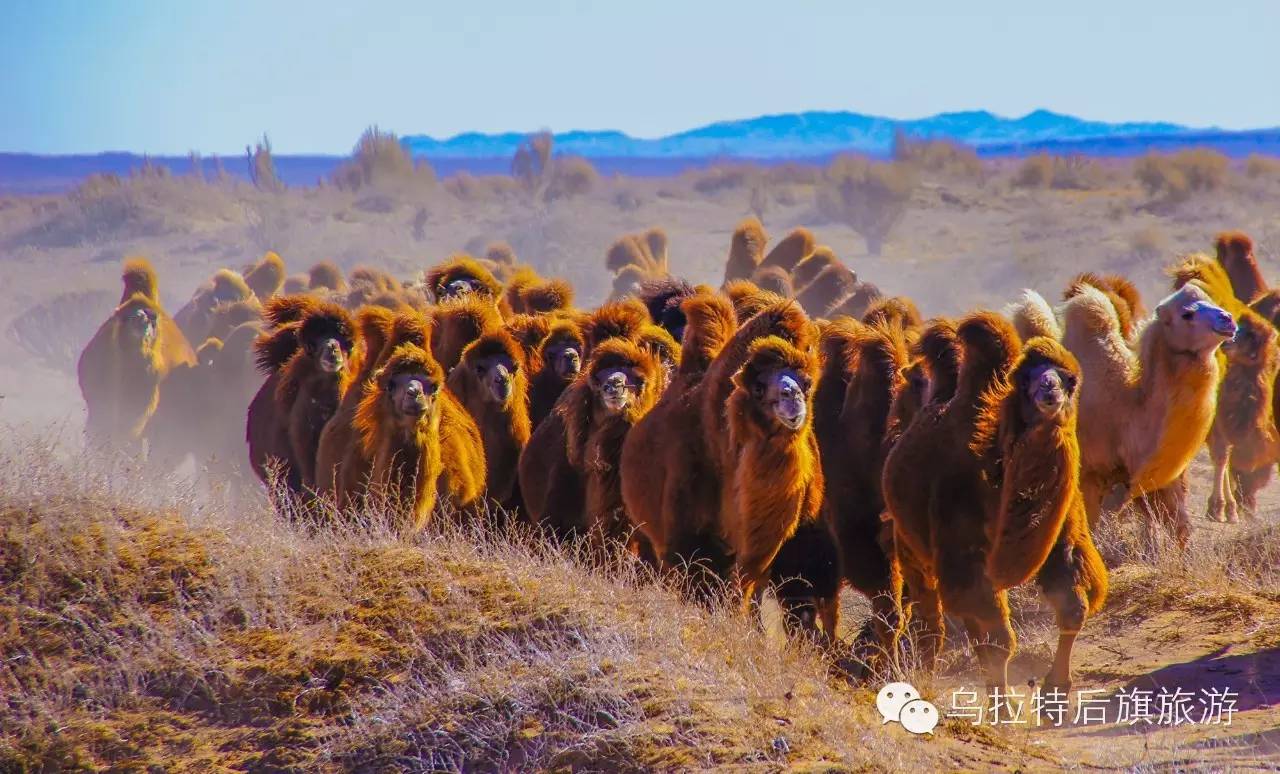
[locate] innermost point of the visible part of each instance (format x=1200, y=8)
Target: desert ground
x=151, y=624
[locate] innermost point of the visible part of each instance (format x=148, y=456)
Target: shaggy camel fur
x=492, y=383
x=774, y=279
x=1244, y=439
x=201, y=405
x=930, y=377
x=1027, y=432
x=1123, y=294
x=933, y=486
x=461, y=275
x=812, y=265
x=225, y=287
x=694, y=499
x=790, y=250
x=457, y=322
x=139, y=277
x=266, y=277
x=775, y=483
x=667, y=488
x=1235, y=254
x=569, y=472
x=895, y=311
x=999, y=502
x=749, y=299
x=227, y=317
x=405, y=422
x=310, y=362
x=1145, y=411
x=558, y=361
x=614, y=320
x=662, y=297
x=122, y=367
x=338, y=440
x=833, y=284
x=746, y=250
x=326, y=276
x=852, y=427
x=857, y=303
x=527, y=293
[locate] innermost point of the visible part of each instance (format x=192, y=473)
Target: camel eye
x=1187, y=315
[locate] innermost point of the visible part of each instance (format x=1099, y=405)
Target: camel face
x=497, y=373
x=329, y=354
x=412, y=395
x=782, y=393
x=1251, y=341
x=1192, y=322
x=565, y=359
x=1048, y=392
x=617, y=389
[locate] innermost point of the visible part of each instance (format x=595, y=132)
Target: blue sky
x=168, y=77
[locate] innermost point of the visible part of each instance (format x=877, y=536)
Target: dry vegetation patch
x=136, y=634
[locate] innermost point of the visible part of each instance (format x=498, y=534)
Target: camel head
x=1192, y=322
x=1048, y=389
x=1255, y=337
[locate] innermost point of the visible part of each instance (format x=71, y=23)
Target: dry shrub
x=942, y=157
x=1075, y=172
x=1035, y=172
x=472, y=188
x=869, y=197
x=106, y=207
x=380, y=158
x=570, y=176
x=262, y=167
x=724, y=177
x=1149, y=244
x=792, y=173
x=532, y=160
x=144, y=634
x=1260, y=167
x=1175, y=177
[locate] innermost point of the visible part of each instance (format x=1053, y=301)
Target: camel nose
x=458, y=287
x=789, y=389
x=414, y=389
x=615, y=385
x=1224, y=324
x=570, y=362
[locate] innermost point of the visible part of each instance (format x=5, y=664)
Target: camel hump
x=1032, y=316
x=990, y=346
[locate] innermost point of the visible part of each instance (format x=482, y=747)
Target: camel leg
x=967, y=593
x=995, y=642
x=1061, y=580
x=1092, y=491
x=1220, y=454
x=829, y=618
x=1248, y=484
x=1171, y=509
x=925, y=606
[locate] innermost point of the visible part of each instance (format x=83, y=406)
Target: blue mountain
x=799, y=135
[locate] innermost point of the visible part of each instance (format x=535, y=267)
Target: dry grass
x=140, y=632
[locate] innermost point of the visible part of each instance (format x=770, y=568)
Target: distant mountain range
x=806, y=135
x=807, y=138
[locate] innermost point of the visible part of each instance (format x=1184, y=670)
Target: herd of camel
x=792, y=429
